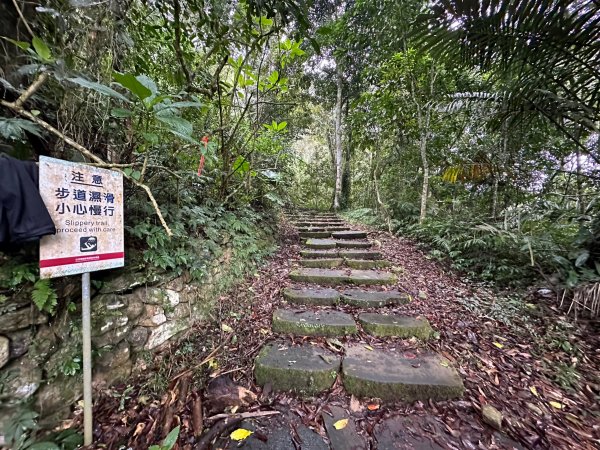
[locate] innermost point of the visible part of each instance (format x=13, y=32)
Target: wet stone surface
x=320, y=297
x=340, y=277
x=313, y=323
x=395, y=325
x=369, y=299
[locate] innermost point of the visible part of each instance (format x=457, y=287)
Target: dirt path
x=516, y=362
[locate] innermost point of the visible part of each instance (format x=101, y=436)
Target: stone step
x=320, y=244
x=332, y=263
x=383, y=325
x=313, y=323
x=319, y=253
x=372, y=299
x=305, y=370
x=350, y=235
x=314, y=234
x=318, y=229
x=393, y=376
x=338, y=276
x=353, y=244
x=345, y=438
x=322, y=263
x=319, y=224
x=359, y=254
x=307, y=296
x=365, y=264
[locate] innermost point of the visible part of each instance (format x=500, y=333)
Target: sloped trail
x=313, y=351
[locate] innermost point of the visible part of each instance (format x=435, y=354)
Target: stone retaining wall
x=38, y=351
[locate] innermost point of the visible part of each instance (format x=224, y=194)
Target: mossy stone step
x=394, y=376
x=319, y=224
x=305, y=369
x=359, y=254
x=314, y=234
x=366, y=263
x=318, y=229
x=371, y=299
x=313, y=323
x=395, y=325
x=320, y=244
x=338, y=276
x=350, y=235
x=307, y=296
x=353, y=244
x=322, y=263
x=319, y=253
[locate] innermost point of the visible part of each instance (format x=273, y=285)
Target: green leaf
x=185, y=105
x=132, y=84
x=16, y=129
x=121, y=112
x=185, y=137
x=241, y=165
x=21, y=44
x=281, y=126
x=41, y=49
x=43, y=446
x=582, y=258
x=176, y=123
x=44, y=296
x=151, y=137
x=100, y=88
x=136, y=175
x=171, y=439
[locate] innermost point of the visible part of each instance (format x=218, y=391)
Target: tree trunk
x=338, y=139
x=346, y=175
x=425, y=189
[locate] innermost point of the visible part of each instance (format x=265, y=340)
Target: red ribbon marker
x=201, y=165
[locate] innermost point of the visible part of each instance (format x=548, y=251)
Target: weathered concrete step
x=317, y=229
x=313, y=323
x=338, y=276
x=395, y=325
x=334, y=253
x=315, y=234
x=305, y=369
x=322, y=263
x=336, y=223
x=372, y=299
x=353, y=244
x=394, y=376
x=359, y=254
x=307, y=296
x=320, y=244
x=342, y=438
x=332, y=263
x=350, y=235
x=365, y=264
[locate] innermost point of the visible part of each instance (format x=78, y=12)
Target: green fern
x=44, y=296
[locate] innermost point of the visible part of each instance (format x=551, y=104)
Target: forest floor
x=517, y=353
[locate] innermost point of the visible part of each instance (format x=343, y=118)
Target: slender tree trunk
x=338, y=139
x=346, y=175
x=425, y=188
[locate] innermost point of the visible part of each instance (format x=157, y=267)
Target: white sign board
x=86, y=205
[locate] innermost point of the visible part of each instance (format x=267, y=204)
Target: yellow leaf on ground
x=444, y=363
x=498, y=344
x=340, y=424
x=226, y=328
x=240, y=434
x=534, y=391
x=368, y=347
x=557, y=405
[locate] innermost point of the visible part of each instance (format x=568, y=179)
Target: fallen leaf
x=556, y=405
x=368, y=347
x=534, y=391
x=240, y=434
x=226, y=328
x=354, y=404
x=340, y=424
x=372, y=406
x=498, y=344
x=444, y=363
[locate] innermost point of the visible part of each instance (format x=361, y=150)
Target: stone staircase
x=342, y=289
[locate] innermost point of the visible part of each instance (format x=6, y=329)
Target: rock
x=328, y=263
x=138, y=337
x=4, y=350
x=103, y=304
x=113, y=356
x=352, y=244
x=315, y=234
x=349, y=235
x=19, y=343
x=180, y=312
x=304, y=369
x=163, y=297
x=405, y=433
x=320, y=297
x=345, y=438
x=134, y=310
x=63, y=391
x=111, y=337
x=395, y=325
x=337, y=277
x=107, y=376
x=392, y=376
x=22, y=318
x=371, y=299
x=121, y=282
x=313, y=323
x=23, y=378
x=320, y=244
x=153, y=316
x=359, y=254
x=366, y=264
x=319, y=254
x=222, y=392
x=44, y=344
x=161, y=334
x=492, y=416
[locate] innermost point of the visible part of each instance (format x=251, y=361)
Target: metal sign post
x=86, y=206
x=87, y=359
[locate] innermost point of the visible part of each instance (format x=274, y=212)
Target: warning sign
x=86, y=205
